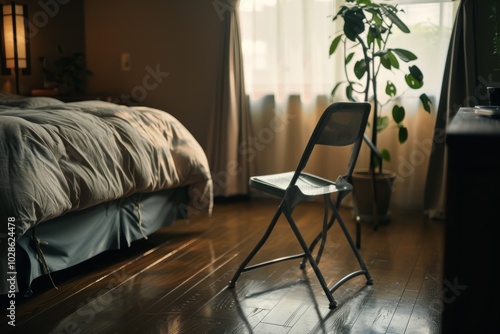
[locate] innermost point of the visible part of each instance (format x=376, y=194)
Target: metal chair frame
x=297, y=186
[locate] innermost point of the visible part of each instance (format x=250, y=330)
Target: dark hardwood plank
x=176, y=281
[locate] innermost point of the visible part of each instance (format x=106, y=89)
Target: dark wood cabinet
x=471, y=293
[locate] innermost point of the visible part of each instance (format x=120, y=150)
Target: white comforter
x=59, y=157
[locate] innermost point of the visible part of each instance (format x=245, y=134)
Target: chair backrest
x=341, y=124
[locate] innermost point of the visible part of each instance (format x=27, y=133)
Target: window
x=286, y=42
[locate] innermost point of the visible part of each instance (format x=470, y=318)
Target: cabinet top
x=469, y=124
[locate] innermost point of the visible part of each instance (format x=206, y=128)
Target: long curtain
x=230, y=124
x=459, y=84
x=289, y=77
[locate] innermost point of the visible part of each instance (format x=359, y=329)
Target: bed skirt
x=78, y=236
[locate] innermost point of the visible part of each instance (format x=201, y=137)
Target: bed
x=77, y=179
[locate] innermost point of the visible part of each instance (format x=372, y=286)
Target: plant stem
x=375, y=112
x=367, y=61
x=370, y=80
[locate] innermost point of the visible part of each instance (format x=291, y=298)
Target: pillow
x=6, y=96
x=13, y=100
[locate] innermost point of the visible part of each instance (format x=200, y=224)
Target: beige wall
x=174, y=48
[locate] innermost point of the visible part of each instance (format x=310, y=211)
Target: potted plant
x=367, y=54
x=68, y=72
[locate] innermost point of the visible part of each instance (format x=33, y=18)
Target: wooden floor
x=176, y=281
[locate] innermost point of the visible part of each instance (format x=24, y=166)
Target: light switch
x=126, y=62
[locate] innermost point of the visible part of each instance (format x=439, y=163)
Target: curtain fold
x=458, y=90
x=227, y=151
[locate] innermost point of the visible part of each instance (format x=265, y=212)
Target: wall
x=174, y=49
x=52, y=23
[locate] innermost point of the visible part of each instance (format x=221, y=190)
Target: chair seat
x=308, y=184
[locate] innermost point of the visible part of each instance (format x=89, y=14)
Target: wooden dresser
x=471, y=289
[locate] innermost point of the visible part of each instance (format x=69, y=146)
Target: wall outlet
x=125, y=63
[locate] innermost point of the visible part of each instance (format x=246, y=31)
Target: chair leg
x=327, y=201
x=321, y=236
x=358, y=234
x=311, y=259
x=364, y=269
x=255, y=250
x=307, y=255
x=324, y=230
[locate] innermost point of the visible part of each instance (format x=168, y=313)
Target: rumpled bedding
x=60, y=157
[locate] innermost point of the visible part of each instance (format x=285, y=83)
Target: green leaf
x=334, y=44
x=416, y=73
x=374, y=31
x=390, y=12
x=404, y=55
x=348, y=58
x=392, y=59
x=354, y=23
x=382, y=123
x=360, y=68
x=386, y=156
x=348, y=92
x=426, y=102
x=377, y=18
x=412, y=82
x=398, y=113
x=390, y=88
x=402, y=134
x=385, y=62
x=341, y=12
x=334, y=90
x=370, y=39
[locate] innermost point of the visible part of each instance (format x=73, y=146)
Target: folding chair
x=341, y=124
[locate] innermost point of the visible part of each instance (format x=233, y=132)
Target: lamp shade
x=14, y=36
x=15, y=47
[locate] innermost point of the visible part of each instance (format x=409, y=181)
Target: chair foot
x=332, y=305
x=231, y=285
x=369, y=281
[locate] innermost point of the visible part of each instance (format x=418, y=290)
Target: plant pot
x=363, y=195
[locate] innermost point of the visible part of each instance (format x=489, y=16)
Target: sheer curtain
x=230, y=123
x=289, y=77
